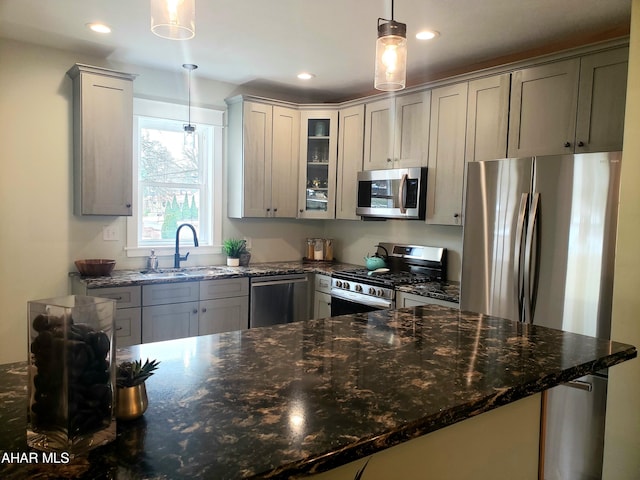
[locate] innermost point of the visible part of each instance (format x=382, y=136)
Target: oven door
x=347, y=303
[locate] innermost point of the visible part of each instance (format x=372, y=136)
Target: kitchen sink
x=162, y=274
x=181, y=272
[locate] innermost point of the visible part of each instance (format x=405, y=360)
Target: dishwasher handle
x=279, y=280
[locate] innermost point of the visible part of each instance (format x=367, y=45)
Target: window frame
x=171, y=111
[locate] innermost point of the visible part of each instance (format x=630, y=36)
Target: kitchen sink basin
x=161, y=274
x=182, y=272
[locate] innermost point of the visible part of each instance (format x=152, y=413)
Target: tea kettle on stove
x=376, y=261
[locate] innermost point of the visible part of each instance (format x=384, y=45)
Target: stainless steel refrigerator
x=539, y=244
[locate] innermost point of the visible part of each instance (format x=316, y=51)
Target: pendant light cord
x=191, y=67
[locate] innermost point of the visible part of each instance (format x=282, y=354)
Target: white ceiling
x=266, y=43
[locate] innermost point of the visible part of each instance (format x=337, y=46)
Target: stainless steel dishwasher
x=278, y=299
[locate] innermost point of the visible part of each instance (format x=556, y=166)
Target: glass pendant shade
x=391, y=57
x=173, y=19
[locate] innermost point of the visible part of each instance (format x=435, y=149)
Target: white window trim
x=215, y=118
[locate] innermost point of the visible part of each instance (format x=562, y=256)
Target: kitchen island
x=292, y=400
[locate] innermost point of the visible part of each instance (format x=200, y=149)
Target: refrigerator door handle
x=517, y=270
x=529, y=292
x=580, y=385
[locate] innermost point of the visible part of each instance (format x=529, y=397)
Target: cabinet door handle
x=389, y=160
x=456, y=215
x=581, y=144
x=195, y=310
x=204, y=310
x=567, y=144
x=301, y=210
x=275, y=210
x=118, y=329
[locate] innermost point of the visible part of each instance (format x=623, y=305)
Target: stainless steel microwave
x=394, y=193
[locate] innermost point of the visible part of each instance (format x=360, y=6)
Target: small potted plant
x=131, y=398
x=233, y=247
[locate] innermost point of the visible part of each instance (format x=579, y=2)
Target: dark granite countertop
x=127, y=278
x=447, y=291
x=293, y=399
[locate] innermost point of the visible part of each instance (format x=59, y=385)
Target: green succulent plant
x=234, y=247
x=130, y=374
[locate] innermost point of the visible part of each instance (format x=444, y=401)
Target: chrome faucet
x=177, y=258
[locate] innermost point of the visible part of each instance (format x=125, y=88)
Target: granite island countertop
x=293, y=399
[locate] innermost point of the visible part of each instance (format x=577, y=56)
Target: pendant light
x=188, y=128
x=173, y=19
x=391, y=55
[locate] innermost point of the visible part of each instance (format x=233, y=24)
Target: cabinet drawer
x=125, y=297
x=164, y=293
x=223, y=288
x=323, y=283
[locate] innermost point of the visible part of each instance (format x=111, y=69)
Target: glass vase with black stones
x=71, y=388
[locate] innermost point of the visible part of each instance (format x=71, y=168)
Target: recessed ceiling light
x=305, y=76
x=427, y=34
x=99, y=27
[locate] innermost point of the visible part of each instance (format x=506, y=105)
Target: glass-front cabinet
x=318, y=156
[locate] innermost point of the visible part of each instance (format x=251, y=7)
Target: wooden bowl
x=95, y=267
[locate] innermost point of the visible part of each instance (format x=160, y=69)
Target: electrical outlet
x=110, y=233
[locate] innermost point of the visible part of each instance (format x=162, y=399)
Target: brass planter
x=131, y=402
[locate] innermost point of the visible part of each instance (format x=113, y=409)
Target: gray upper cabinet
x=397, y=131
x=318, y=157
x=487, y=118
x=445, y=178
x=350, y=155
x=285, y=161
x=544, y=100
x=569, y=106
x=378, y=135
x=102, y=133
x=601, y=101
x=264, y=156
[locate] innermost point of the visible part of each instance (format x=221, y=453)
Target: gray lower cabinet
x=169, y=321
x=128, y=321
x=165, y=311
x=322, y=296
x=224, y=305
x=128, y=326
x=404, y=299
x=169, y=310
x=186, y=309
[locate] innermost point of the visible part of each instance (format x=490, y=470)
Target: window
x=176, y=178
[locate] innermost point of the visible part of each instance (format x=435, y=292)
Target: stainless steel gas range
x=360, y=290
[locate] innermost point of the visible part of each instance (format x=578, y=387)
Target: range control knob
x=372, y=291
x=338, y=283
x=346, y=285
x=380, y=293
x=358, y=288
